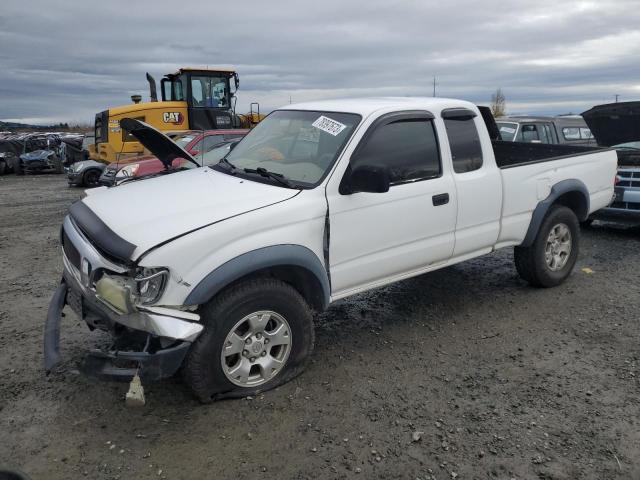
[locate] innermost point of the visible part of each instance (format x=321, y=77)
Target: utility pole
x=616, y=95
x=289, y=99
x=434, y=86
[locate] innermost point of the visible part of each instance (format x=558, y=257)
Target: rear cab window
x=507, y=130
x=464, y=141
x=571, y=133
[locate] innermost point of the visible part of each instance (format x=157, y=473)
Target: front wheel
x=553, y=254
x=257, y=335
x=91, y=178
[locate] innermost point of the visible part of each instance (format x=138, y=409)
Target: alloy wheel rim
x=558, y=247
x=256, y=349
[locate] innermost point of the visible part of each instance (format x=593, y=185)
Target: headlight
x=129, y=170
x=122, y=292
x=115, y=291
x=150, y=283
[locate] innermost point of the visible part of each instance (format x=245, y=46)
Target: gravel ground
x=462, y=373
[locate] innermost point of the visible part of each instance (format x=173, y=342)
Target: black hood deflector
x=614, y=123
x=165, y=149
x=100, y=234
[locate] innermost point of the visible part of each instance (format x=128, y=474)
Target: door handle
x=440, y=199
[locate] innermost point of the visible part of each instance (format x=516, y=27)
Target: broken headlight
x=149, y=284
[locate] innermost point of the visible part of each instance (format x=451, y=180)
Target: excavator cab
x=193, y=98
x=208, y=94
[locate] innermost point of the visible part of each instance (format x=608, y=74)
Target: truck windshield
x=299, y=145
x=507, y=130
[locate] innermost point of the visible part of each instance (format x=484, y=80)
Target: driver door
x=376, y=238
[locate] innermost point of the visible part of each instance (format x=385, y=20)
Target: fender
x=255, y=260
x=559, y=189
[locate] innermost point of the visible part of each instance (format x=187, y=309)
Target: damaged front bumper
x=150, y=341
x=174, y=337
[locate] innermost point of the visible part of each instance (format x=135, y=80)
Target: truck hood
x=153, y=211
x=614, y=123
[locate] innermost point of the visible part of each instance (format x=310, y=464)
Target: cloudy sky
x=67, y=60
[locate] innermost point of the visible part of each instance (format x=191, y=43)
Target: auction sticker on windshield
x=327, y=125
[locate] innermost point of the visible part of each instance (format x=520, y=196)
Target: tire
x=210, y=377
x=3, y=167
x=17, y=166
x=533, y=264
x=90, y=178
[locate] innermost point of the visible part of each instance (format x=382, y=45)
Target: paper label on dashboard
x=328, y=125
x=508, y=129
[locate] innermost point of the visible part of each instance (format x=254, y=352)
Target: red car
x=197, y=142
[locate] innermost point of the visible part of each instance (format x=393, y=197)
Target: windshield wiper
x=278, y=177
x=226, y=162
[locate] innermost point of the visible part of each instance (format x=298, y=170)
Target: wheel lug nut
x=253, y=359
x=245, y=353
x=258, y=335
x=248, y=341
x=266, y=340
x=263, y=353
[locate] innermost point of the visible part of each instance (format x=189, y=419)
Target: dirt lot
x=503, y=380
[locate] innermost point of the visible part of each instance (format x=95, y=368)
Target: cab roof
x=367, y=106
x=571, y=120
x=227, y=69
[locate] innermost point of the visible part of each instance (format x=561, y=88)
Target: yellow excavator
x=192, y=99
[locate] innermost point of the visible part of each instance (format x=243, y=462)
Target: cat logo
x=172, y=117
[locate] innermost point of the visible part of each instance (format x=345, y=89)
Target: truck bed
x=514, y=154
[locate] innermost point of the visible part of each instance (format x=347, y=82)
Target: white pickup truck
x=218, y=270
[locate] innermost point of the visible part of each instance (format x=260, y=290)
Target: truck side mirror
x=367, y=178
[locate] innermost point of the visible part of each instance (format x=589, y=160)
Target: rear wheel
x=257, y=335
x=552, y=256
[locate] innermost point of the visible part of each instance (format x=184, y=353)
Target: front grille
x=629, y=178
x=72, y=253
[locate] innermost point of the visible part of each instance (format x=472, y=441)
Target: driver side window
x=408, y=148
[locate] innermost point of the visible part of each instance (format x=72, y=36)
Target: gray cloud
x=65, y=61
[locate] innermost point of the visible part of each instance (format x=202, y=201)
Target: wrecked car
x=32, y=152
x=40, y=161
x=196, y=143
x=218, y=271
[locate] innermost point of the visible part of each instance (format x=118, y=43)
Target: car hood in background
x=152, y=211
x=614, y=123
x=36, y=155
x=161, y=146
